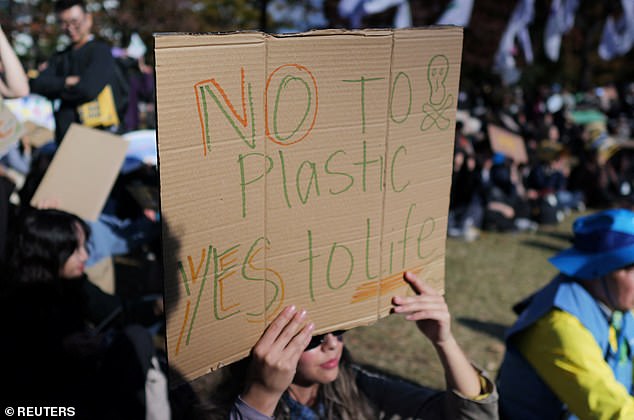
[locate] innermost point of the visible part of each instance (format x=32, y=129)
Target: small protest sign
x=508, y=143
x=82, y=172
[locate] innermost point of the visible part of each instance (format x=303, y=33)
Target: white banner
x=355, y=10
x=618, y=36
x=458, y=13
x=517, y=27
x=560, y=20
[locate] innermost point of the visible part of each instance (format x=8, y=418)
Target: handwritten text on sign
x=317, y=184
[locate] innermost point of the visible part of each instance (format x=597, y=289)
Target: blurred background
x=30, y=25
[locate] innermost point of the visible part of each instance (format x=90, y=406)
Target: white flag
x=504, y=62
x=458, y=13
x=355, y=10
x=137, y=48
x=351, y=10
x=618, y=36
x=560, y=20
x=403, y=16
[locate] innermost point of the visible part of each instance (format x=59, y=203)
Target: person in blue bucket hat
x=569, y=354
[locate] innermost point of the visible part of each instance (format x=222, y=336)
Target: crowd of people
x=575, y=152
x=77, y=341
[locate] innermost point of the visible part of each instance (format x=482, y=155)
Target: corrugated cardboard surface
x=83, y=171
x=310, y=169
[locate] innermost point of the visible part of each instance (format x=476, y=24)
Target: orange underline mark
x=180, y=336
x=372, y=289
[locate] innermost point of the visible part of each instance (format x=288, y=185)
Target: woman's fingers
x=423, y=310
x=427, y=304
x=277, y=352
x=435, y=315
x=404, y=300
x=428, y=308
x=419, y=286
x=296, y=346
x=275, y=328
x=288, y=329
x=419, y=306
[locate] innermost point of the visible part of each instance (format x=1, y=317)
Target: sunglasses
x=318, y=340
x=74, y=22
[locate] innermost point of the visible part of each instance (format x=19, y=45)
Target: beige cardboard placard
x=507, y=143
x=11, y=130
x=308, y=169
x=37, y=135
x=83, y=171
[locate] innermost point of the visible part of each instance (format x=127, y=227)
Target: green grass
x=483, y=280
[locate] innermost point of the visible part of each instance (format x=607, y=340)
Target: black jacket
x=94, y=64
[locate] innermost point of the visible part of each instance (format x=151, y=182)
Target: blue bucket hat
x=603, y=242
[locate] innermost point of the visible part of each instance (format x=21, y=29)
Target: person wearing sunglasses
x=291, y=374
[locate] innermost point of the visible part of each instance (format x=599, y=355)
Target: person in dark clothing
x=507, y=208
x=52, y=351
x=547, y=185
x=466, y=208
x=67, y=346
x=79, y=73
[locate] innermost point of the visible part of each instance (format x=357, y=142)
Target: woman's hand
x=274, y=359
x=428, y=308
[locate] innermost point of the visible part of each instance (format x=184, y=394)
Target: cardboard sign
x=507, y=143
x=37, y=136
x=310, y=169
x=11, y=130
x=83, y=171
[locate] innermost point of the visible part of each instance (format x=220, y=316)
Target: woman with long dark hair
x=50, y=246
x=66, y=344
x=47, y=311
x=55, y=319
x=292, y=375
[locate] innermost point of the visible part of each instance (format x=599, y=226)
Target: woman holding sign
x=292, y=375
